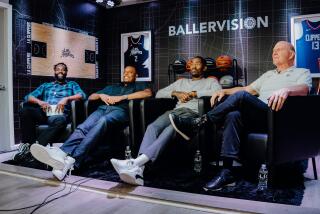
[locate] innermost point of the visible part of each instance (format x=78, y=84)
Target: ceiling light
x=110, y=3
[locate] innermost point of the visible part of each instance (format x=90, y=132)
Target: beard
x=60, y=78
x=196, y=75
x=128, y=80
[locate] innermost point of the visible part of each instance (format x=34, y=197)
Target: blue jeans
x=90, y=132
x=240, y=112
x=161, y=132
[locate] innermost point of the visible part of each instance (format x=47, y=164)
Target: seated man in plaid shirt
x=60, y=93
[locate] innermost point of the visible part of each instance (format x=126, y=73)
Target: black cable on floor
x=23, y=208
x=66, y=194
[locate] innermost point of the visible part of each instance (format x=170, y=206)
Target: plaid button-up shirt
x=53, y=92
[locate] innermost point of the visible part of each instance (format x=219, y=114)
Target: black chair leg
x=271, y=176
x=314, y=168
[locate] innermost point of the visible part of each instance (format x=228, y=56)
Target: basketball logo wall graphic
x=66, y=53
x=50, y=45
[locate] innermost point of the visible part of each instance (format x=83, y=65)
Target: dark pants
x=240, y=112
x=88, y=134
x=31, y=116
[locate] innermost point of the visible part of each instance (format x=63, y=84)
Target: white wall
x=6, y=102
x=1, y=35
x=5, y=1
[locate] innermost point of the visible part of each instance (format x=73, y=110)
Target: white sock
x=141, y=160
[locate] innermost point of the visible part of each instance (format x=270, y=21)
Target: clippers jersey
x=308, y=47
x=136, y=55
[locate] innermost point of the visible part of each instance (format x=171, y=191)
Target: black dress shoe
x=23, y=152
x=28, y=158
x=187, y=127
x=224, y=178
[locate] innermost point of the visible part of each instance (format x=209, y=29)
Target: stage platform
x=21, y=187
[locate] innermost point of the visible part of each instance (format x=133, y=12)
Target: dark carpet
x=289, y=188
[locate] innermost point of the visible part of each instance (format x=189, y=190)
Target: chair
x=76, y=117
x=135, y=126
x=292, y=135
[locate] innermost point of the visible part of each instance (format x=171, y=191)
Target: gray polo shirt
x=203, y=87
x=272, y=81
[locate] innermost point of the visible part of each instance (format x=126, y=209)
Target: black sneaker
x=224, y=178
x=23, y=152
x=187, y=127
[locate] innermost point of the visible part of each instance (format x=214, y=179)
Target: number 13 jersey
x=308, y=46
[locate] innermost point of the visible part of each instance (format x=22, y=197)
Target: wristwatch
x=194, y=93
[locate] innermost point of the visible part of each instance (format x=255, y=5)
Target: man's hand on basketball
x=44, y=105
x=277, y=99
x=216, y=97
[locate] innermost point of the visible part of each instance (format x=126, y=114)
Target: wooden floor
x=20, y=187
x=20, y=192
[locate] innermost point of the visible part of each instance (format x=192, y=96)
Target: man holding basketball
x=246, y=108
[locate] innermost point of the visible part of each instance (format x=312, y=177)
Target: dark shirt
x=121, y=89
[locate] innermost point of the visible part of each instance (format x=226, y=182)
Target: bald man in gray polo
x=274, y=80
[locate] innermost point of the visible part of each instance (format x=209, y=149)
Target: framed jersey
x=136, y=50
x=305, y=36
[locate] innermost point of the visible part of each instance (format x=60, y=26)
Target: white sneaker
x=133, y=176
x=120, y=165
x=53, y=156
x=60, y=174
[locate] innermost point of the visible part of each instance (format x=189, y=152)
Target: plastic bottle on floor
x=263, y=178
x=127, y=153
x=197, y=162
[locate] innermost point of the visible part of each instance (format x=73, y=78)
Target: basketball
x=214, y=77
x=226, y=81
x=188, y=65
x=224, y=62
x=211, y=64
x=179, y=66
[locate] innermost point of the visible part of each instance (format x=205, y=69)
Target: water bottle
x=263, y=178
x=197, y=162
x=127, y=153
